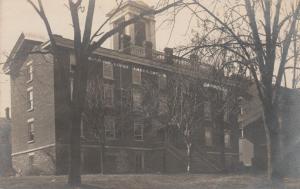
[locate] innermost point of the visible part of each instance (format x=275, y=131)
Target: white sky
x=17, y=16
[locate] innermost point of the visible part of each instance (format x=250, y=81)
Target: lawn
x=147, y=181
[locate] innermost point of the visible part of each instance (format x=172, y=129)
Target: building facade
x=127, y=125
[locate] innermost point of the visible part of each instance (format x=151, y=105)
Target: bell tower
x=139, y=32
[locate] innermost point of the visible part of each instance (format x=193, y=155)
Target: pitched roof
x=23, y=45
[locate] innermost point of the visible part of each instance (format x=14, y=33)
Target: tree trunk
x=188, y=153
x=74, y=151
x=268, y=146
x=79, y=94
x=222, y=142
x=271, y=124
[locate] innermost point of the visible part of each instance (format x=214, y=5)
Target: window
x=140, y=33
x=29, y=71
x=207, y=110
x=71, y=88
x=226, y=113
x=139, y=162
x=162, y=81
x=81, y=127
x=163, y=104
x=30, y=130
x=108, y=95
x=137, y=98
x=136, y=76
x=138, y=130
x=227, y=139
x=109, y=124
x=108, y=70
x=30, y=160
x=120, y=34
x=30, y=98
x=72, y=63
x=208, y=136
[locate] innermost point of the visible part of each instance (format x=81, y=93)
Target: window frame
x=111, y=69
x=134, y=76
x=31, y=131
x=137, y=98
x=29, y=99
x=207, y=110
x=208, y=139
x=112, y=128
x=106, y=87
x=29, y=71
x=162, y=82
x=227, y=139
x=138, y=124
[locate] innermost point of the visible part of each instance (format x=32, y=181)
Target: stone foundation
x=40, y=162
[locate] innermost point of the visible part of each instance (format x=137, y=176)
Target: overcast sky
x=17, y=16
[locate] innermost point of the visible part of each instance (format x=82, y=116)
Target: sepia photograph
x=149, y=94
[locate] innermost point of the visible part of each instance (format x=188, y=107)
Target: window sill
x=29, y=81
x=107, y=78
x=30, y=142
x=30, y=110
x=110, y=138
x=139, y=140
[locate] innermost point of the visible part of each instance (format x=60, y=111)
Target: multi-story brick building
x=123, y=129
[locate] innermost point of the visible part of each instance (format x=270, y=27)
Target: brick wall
x=43, y=104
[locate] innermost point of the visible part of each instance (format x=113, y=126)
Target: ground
x=145, y=182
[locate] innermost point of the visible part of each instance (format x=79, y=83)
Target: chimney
x=7, y=113
x=168, y=55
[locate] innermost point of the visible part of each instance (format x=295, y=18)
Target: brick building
x=253, y=132
x=124, y=128
x=5, y=146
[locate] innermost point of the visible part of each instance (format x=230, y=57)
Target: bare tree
x=85, y=43
x=258, y=36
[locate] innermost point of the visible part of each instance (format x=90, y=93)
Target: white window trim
x=30, y=121
x=140, y=76
x=141, y=124
x=135, y=103
x=211, y=142
x=29, y=89
x=207, y=104
x=108, y=77
x=29, y=62
x=110, y=87
x=29, y=66
x=227, y=133
x=72, y=62
x=114, y=128
x=71, y=88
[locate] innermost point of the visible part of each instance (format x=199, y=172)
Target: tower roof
x=136, y=4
